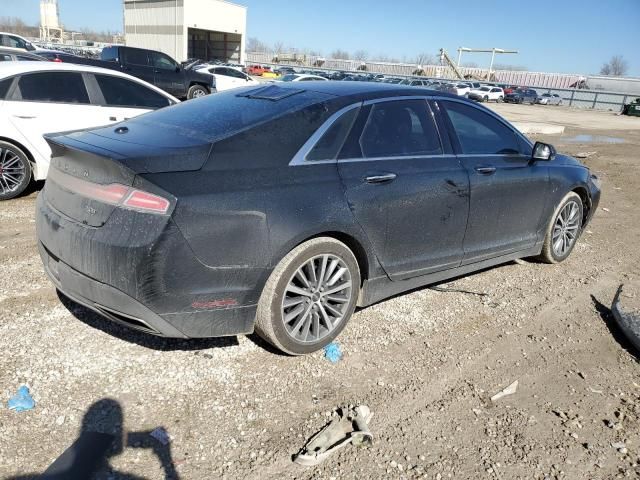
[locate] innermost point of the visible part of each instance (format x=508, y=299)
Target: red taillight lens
x=57, y=60
x=147, y=202
x=112, y=194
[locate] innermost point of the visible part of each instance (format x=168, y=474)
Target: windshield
x=484, y=89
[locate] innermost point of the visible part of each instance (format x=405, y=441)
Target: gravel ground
x=426, y=363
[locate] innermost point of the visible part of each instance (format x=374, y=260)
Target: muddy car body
x=282, y=207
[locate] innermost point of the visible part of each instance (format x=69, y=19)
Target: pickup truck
x=158, y=69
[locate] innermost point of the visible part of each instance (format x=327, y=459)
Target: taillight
x=57, y=60
x=112, y=194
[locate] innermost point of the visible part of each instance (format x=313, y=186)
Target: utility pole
x=492, y=51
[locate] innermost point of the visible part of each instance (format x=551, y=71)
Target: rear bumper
x=144, y=275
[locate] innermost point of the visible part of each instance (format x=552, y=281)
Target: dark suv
x=522, y=95
x=160, y=70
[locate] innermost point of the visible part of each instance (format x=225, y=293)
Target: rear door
x=406, y=189
x=49, y=102
x=508, y=190
x=136, y=62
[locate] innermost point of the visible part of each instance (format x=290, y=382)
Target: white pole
x=459, y=56
x=493, y=56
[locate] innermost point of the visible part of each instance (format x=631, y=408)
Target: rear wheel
x=196, y=91
x=15, y=171
x=563, y=229
x=485, y=99
x=309, y=297
x=500, y=99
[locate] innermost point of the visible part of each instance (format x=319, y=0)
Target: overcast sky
x=571, y=36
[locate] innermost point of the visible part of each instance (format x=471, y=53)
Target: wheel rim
x=565, y=229
x=316, y=298
x=198, y=93
x=12, y=171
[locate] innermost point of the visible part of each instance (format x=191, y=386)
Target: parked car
x=486, y=94
x=256, y=70
x=37, y=98
x=316, y=200
x=158, y=69
x=509, y=88
x=549, y=99
x=302, y=78
x=64, y=57
x=522, y=95
x=12, y=55
x=268, y=73
x=285, y=70
x=460, y=89
x=412, y=82
x=227, y=77
x=11, y=40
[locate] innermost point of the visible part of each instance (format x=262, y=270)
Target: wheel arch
x=583, y=193
x=354, y=245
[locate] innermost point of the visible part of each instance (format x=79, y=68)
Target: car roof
x=368, y=89
x=8, y=69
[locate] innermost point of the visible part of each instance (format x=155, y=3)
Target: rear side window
x=163, y=62
x=57, y=87
x=479, y=132
x=400, y=128
x=331, y=142
x=4, y=87
x=136, y=57
x=120, y=92
x=5, y=58
x=109, y=54
x=22, y=58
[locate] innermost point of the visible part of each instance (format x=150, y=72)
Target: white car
x=487, y=93
x=461, y=89
x=298, y=77
x=227, y=77
x=37, y=98
x=11, y=40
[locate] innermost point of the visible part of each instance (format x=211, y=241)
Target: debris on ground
x=584, y=154
x=349, y=425
x=627, y=316
x=161, y=435
x=333, y=352
x=22, y=401
x=457, y=290
x=510, y=390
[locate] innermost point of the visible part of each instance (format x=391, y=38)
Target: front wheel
x=196, y=91
x=563, y=229
x=485, y=99
x=15, y=171
x=309, y=297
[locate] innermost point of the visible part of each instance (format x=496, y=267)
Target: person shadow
x=101, y=438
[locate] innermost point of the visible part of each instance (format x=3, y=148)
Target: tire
x=196, y=91
x=271, y=314
x=485, y=99
x=500, y=99
x=550, y=253
x=15, y=171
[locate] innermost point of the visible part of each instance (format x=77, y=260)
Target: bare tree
x=616, y=67
x=340, y=54
x=278, y=47
x=255, y=45
x=360, y=55
x=425, y=59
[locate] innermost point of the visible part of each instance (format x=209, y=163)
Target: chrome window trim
x=300, y=158
x=398, y=157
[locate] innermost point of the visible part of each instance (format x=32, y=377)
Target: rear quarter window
x=4, y=87
x=54, y=87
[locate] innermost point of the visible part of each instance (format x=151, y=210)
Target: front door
x=168, y=75
x=508, y=190
x=406, y=190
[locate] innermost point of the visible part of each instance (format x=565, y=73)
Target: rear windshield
x=221, y=115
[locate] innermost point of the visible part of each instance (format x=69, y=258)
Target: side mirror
x=543, y=151
x=30, y=47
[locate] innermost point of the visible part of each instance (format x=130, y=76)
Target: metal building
x=204, y=29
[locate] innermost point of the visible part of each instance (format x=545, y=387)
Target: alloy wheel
x=316, y=298
x=566, y=228
x=12, y=171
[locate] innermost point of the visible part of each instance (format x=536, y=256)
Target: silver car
x=549, y=99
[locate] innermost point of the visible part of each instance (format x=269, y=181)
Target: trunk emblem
x=121, y=130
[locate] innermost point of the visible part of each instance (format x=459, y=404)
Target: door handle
x=382, y=178
x=486, y=170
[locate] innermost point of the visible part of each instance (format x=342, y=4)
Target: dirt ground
x=426, y=363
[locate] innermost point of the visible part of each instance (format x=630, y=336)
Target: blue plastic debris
x=332, y=352
x=22, y=401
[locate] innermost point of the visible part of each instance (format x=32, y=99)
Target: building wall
x=163, y=24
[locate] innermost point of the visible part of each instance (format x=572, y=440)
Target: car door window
x=400, y=128
x=5, y=58
x=331, y=142
x=120, y=92
x=22, y=58
x=480, y=133
x=163, y=62
x=55, y=87
x=4, y=87
x=136, y=57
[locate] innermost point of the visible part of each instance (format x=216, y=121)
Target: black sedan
x=522, y=95
x=280, y=208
